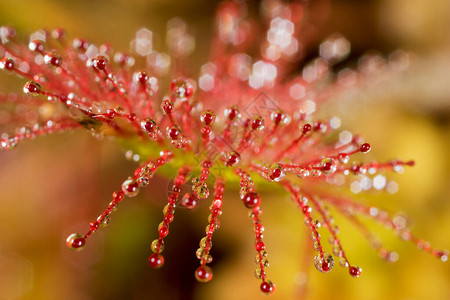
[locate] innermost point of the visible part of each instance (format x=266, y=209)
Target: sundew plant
x=246, y=122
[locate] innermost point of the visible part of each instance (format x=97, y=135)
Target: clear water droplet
x=324, y=263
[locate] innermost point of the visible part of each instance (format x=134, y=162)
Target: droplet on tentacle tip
x=232, y=112
x=208, y=117
x=355, y=271
x=267, y=287
x=328, y=165
x=324, y=262
x=76, y=241
x=100, y=62
x=7, y=63
x=156, y=260
x=365, y=148
x=203, y=274
x=232, y=158
x=36, y=46
x=257, y=123
x=52, y=59
x=166, y=106
x=32, y=88
x=276, y=172
x=278, y=117
x=181, y=89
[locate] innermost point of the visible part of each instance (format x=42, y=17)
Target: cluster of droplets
x=203, y=272
x=323, y=261
x=267, y=129
x=252, y=201
x=130, y=188
x=156, y=260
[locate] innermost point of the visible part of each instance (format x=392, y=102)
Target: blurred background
x=55, y=185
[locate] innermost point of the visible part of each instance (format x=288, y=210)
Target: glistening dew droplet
x=328, y=166
x=32, y=88
x=355, y=271
x=157, y=246
x=130, y=187
x=203, y=274
x=267, y=287
x=276, y=172
x=76, y=241
x=324, y=263
x=156, y=260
